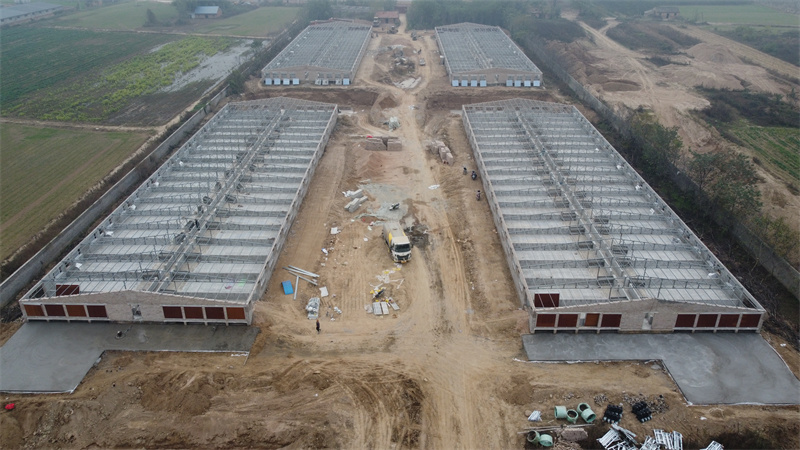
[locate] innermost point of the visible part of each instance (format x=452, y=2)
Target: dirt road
x=445, y=371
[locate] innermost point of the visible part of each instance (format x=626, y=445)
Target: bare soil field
x=623, y=78
x=445, y=371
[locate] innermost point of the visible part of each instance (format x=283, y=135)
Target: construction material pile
x=384, y=143
x=439, y=148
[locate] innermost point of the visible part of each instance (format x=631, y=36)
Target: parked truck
x=397, y=241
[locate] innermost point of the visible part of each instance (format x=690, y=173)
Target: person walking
x=478, y=195
x=465, y=170
x=317, y=326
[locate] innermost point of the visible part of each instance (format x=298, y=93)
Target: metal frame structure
x=481, y=55
x=325, y=53
x=590, y=245
x=198, y=240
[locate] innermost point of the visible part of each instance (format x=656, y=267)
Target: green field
x=739, y=15
x=122, y=16
x=33, y=58
x=99, y=94
x=776, y=147
x=261, y=22
x=44, y=170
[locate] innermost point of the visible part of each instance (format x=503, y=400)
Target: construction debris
x=354, y=204
x=670, y=441
x=535, y=416
x=714, y=445
x=574, y=434
x=313, y=308
x=354, y=194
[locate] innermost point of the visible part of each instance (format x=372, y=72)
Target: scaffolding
x=579, y=222
x=210, y=222
x=480, y=55
x=325, y=53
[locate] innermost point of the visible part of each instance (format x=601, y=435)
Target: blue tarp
x=287, y=287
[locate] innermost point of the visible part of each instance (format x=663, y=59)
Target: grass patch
x=98, y=97
x=776, y=147
x=263, y=21
x=742, y=14
x=126, y=16
x=44, y=170
x=650, y=36
x=772, y=41
x=34, y=59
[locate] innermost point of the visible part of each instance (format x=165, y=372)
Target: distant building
x=664, y=12
x=207, y=12
x=27, y=11
x=387, y=17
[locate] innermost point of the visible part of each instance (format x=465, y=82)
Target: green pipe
x=588, y=415
x=572, y=416
x=533, y=437
x=582, y=407
x=545, y=440
x=561, y=412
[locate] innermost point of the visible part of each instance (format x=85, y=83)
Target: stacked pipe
x=613, y=414
x=642, y=411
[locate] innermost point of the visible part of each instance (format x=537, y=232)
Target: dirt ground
x=445, y=371
x=623, y=78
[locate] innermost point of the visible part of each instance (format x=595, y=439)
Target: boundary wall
x=35, y=266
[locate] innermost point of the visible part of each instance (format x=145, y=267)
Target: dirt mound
x=621, y=85
x=387, y=102
x=192, y=396
x=715, y=53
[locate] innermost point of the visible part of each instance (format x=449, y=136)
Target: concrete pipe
x=572, y=416
x=588, y=415
x=545, y=440
x=533, y=437
x=561, y=412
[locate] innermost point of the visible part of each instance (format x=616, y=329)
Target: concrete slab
x=708, y=368
x=54, y=357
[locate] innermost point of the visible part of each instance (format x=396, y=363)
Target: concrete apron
x=54, y=357
x=722, y=368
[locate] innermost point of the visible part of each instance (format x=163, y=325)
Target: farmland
x=261, y=22
x=45, y=170
x=34, y=59
x=97, y=97
x=122, y=16
x=776, y=148
x=747, y=14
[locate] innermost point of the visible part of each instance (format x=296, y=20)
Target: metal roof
x=334, y=45
x=468, y=47
x=9, y=12
x=213, y=10
x=579, y=220
x=206, y=222
x=387, y=15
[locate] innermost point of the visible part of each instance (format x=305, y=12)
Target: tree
x=660, y=147
x=319, y=10
x=728, y=179
x=236, y=82
x=151, y=18
x=702, y=167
